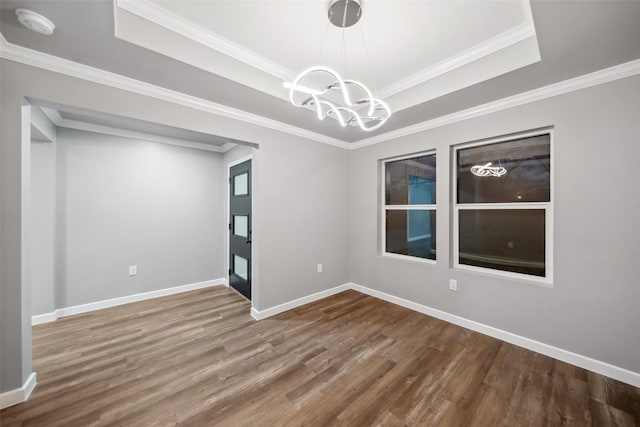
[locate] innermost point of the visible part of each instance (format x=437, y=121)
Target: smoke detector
x=35, y=22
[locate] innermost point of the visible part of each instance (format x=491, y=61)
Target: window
x=502, y=210
x=409, y=212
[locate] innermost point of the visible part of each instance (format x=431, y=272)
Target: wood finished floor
x=199, y=359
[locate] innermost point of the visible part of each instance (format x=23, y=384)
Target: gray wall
x=130, y=202
x=300, y=209
x=592, y=308
x=317, y=203
x=43, y=226
x=15, y=179
x=303, y=220
x=295, y=231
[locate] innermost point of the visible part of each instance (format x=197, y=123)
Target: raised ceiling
x=429, y=58
x=291, y=33
x=408, y=52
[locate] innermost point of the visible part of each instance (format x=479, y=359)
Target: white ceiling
x=430, y=47
x=290, y=33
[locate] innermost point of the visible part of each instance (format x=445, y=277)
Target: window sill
x=408, y=258
x=546, y=282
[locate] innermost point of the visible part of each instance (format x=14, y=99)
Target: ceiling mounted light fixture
x=35, y=22
x=321, y=88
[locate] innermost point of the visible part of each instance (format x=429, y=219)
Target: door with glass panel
x=240, y=228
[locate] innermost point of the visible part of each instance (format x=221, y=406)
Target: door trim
x=254, y=235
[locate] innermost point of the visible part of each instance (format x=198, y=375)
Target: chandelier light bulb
x=377, y=111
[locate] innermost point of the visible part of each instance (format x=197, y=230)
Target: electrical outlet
x=319, y=268
x=453, y=285
x=133, y=270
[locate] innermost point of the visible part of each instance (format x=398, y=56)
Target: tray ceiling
x=409, y=44
x=233, y=67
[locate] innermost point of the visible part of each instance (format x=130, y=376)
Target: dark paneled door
x=240, y=228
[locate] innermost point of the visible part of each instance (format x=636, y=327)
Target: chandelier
x=320, y=88
x=488, y=170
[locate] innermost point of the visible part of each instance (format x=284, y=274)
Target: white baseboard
x=43, y=318
x=612, y=371
x=18, y=395
x=579, y=360
x=83, y=308
x=263, y=314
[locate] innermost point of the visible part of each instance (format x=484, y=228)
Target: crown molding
x=53, y=115
x=227, y=146
x=180, y=25
x=125, y=133
x=52, y=63
x=169, y=20
x=61, y=122
x=43, y=125
x=481, y=50
x=59, y=65
x=606, y=75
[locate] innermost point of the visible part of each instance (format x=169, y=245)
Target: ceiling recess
x=35, y=22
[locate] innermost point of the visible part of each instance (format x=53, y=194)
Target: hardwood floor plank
x=614, y=393
x=375, y=402
x=605, y=415
x=198, y=358
x=569, y=400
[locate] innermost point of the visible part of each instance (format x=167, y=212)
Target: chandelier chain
x=366, y=53
x=344, y=52
x=324, y=39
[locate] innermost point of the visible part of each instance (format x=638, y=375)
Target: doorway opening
x=124, y=209
x=240, y=226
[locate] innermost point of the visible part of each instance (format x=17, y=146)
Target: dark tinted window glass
x=411, y=232
x=505, y=172
x=411, y=181
x=503, y=239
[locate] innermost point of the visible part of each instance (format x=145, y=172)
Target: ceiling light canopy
x=35, y=22
x=321, y=88
x=344, y=13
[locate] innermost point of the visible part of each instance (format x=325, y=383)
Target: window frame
x=547, y=280
x=384, y=207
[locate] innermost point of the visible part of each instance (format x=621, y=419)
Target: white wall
x=592, y=308
x=129, y=202
x=43, y=225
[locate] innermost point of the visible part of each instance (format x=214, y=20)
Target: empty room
x=319, y=213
